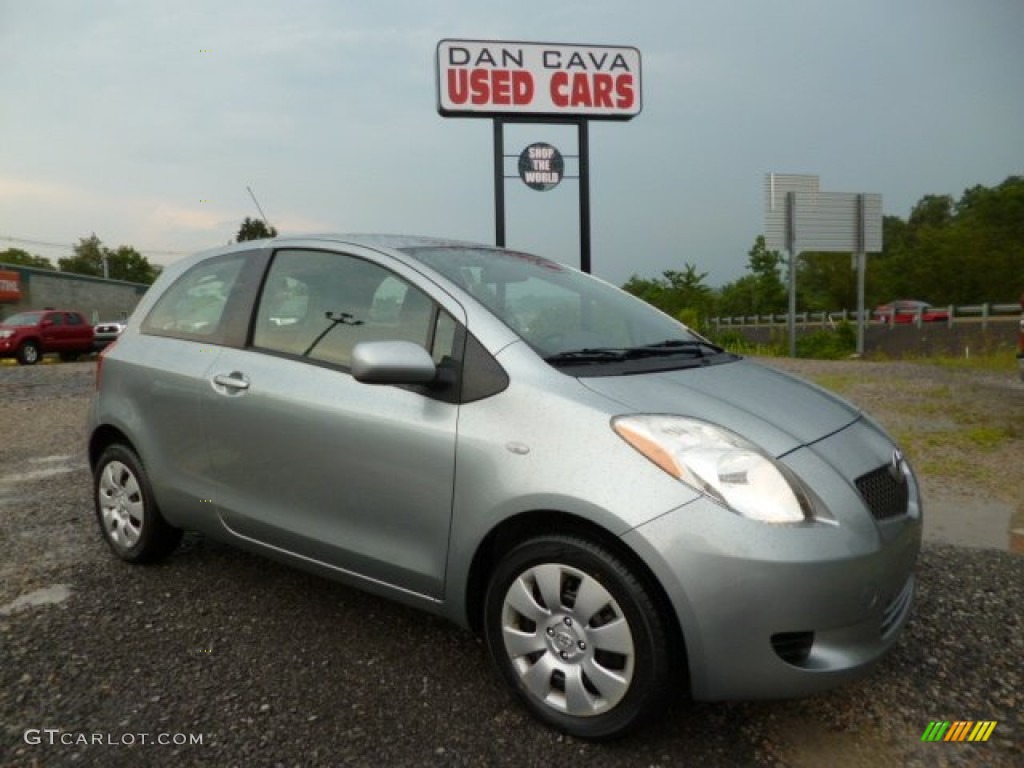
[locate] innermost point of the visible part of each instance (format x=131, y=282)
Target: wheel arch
x=35, y=341
x=514, y=530
x=102, y=437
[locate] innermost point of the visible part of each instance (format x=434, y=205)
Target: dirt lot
x=273, y=667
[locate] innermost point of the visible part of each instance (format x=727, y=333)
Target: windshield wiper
x=673, y=345
x=586, y=355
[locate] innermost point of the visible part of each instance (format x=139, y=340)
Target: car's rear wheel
x=126, y=510
x=578, y=636
x=28, y=353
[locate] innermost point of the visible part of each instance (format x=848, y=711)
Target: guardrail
x=951, y=314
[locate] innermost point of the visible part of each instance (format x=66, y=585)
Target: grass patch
x=839, y=383
x=738, y=344
x=987, y=437
x=998, y=361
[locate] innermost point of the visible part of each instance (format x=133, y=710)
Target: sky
x=147, y=122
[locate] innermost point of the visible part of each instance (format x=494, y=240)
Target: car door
x=310, y=461
x=164, y=370
x=51, y=332
x=78, y=333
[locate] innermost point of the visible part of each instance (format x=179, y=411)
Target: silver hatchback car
x=622, y=509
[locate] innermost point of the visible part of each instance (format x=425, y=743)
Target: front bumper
x=779, y=611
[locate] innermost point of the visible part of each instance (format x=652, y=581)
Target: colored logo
x=959, y=730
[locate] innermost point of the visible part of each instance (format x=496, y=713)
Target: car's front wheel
x=127, y=513
x=578, y=636
x=28, y=353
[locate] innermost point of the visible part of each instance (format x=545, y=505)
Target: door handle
x=234, y=381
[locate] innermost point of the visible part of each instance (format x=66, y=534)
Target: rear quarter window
x=194, y=306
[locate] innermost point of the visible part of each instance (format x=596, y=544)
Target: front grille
x=885, y=495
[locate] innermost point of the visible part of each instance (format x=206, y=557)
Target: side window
x=72, y=319
x=56, y=318
x=193, y=307
x=444, y=337
x=319, y=305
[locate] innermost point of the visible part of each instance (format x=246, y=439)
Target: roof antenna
x=258, y=207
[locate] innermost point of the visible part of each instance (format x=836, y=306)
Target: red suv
x=30, y=335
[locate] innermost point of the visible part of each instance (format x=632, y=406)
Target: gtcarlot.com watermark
x=59, y=737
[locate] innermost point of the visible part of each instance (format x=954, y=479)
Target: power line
x=71, y=247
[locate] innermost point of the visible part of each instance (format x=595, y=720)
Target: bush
x=828, y=344
x=691, y=319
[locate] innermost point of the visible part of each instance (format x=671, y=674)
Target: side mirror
x=392, y=362
x=46, y=323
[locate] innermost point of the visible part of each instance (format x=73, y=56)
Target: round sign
x=541, y=167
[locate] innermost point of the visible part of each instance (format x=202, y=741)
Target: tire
x=126, y=511
x=577, y=636
x=69, y=357
x=28, y=353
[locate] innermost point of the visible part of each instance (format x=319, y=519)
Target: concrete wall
x=95, y=297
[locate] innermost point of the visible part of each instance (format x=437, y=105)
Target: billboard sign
x=10, y=287
x=840, y=222
x=491, y=78
x=777, y=219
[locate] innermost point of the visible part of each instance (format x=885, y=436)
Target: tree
x=88, y=258
x=123, y=263
x=254, y=229
x=931, y=211
x=22, y=258
x=128, y=264
x=954, y=252
x=675, y=293
x=761, y=292
x=826, y=281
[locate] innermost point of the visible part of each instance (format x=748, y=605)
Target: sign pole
x=862, y=262
x=791, y=247
x=499, y=182
x=584, y=159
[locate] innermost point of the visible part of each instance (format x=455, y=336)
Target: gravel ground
x=270, y=666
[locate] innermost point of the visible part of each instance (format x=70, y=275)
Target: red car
x=28, y=336
x=907, y=310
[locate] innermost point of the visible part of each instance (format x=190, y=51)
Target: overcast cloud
x=145, y=121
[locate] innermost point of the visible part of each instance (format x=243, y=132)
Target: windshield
x=23, y=319
x=568, y=317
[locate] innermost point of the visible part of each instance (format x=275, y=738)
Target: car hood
x=773, y=410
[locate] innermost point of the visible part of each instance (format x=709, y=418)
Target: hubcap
x=122, y=510
x=568, y=640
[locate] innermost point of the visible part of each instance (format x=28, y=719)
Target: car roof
x=369, y=240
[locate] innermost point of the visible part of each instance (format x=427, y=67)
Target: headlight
x=718, y=463
x=6, y=334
